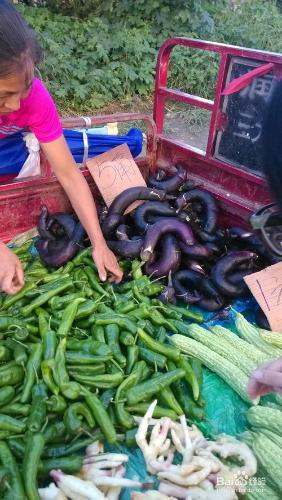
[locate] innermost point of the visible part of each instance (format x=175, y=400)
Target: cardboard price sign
x=266, y=287
x=115, y=171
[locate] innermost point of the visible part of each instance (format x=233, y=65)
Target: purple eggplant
x=193, y=265
x=123, y=232
x=55, y=253
x=43, y=230
x=171, y=183
x=158, y=208
x=168, y=261
x=168, y=294
x=201, y=252
x=126, y=248
x=61, y=224
x=163, y=226
x=109, y=225
x=209, y=207
x=189, y=284
x=124, y=199
x=262, y=320
x=228, y=265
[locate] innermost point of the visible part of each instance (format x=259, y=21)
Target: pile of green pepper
x=77, y=360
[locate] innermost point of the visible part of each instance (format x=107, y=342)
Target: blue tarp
x=13, y=151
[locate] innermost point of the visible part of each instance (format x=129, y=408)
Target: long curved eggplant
x=169, y=259
x=262, y=320
x=55, y=253
x=61, y=224
x=126, y=248
x=208, y=203
x=198, y=251
x=226, y=266
x=123, y=232
x=124, y=199
x=193, y=265
x=168, y=294
x=109, y=225
x=158, y=208
x=43, y=230
x=185, y=287
x=189, y=284
x=161, y=227
x=172, y=183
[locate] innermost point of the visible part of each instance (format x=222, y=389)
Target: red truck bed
x=230, y=166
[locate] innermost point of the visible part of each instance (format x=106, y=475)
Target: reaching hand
x=11, y=271
x=106, y=262
x=265, y=379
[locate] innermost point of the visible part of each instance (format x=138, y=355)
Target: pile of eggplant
x=61, y=237
x=176, y=234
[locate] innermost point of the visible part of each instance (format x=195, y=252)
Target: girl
x=26, y=104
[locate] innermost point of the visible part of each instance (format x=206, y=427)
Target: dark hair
x=18, y=42
x=272, y=144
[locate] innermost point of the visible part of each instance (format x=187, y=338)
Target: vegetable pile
x=80, y=359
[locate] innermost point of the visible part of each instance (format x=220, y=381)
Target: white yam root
x=158, y=443
x=51, y=492
x=75, y=488
x=150, y=495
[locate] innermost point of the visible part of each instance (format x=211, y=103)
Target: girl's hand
x=11, y=271
x=106, y=262
x=265, y=379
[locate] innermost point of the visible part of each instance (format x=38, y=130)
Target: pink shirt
x=37, y=114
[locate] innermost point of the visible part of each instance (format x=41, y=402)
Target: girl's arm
x=77, y=189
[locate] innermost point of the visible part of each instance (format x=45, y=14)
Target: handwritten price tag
x=115, y=171
x=266, y=287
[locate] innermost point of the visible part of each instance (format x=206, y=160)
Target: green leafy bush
x=111, y=54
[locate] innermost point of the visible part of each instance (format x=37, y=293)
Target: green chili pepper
x=19, y=351
x=132, y=358
x=143, y=391
x=59, y=368
x=123, y=417
x=198, y=371
x=63, y=450
x=136, y=269
x=8, y=322
x=70, y=465
x=68, y=317
x=6, y=395
x=152, y=358
x=44, y=297
x=186, y=313
x=159, y=412
x=157, y=318
x=38, y=408
x=191, y=410
x=101, y=417
x=47, y=375
x=82, y=358
x=97, y=333
x=57, y=303
x=190, y=376
x=130, y=438
x=5, y=353
x=112, y=339
x=105, y=381
x=54, y=432
x=71, y=390
x=139, y=296
x=161, y=335
x=126, y=338
x=73, y=417
x=33, y=451
x=90, y=273
x=89, y=370
x=107, y=397
x=16, y=409
x=9, y=462
x=113, y=319
x=17, y=447
x=32, y=368
x=147, y=326
x=11, y=424
x=56, y=404
x=153, y=289
x=88, y=346
x=126, y=308
x=170, y=352
x=13, y=299
x=86, y=252
x=167, y=397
